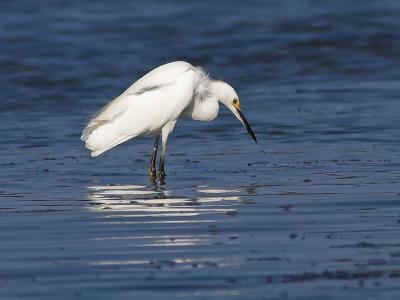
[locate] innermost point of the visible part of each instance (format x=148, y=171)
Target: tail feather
x=102, y=137
x=102, y=150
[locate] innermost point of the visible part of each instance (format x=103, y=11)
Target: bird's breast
x=202, y=110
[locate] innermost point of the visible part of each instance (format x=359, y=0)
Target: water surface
x=310, y=211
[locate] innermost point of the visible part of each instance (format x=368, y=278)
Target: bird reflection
x=142, y=201
x=177, y=219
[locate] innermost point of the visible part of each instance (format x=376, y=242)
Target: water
x=310, y=211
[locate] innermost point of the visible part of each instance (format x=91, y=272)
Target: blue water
x=312, y=211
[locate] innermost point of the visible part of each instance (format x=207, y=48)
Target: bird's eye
x=235, y=101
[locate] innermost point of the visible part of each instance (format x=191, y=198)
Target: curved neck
x=219, y=90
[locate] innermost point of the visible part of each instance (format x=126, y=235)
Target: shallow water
x=310, y=211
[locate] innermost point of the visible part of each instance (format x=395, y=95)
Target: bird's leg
x=166, y=130
x=152, y=169
x=161, y=170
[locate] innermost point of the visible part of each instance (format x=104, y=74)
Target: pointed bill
x=246, y=124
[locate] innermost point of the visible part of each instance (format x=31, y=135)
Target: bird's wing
x=155, y=99
x=161, y=76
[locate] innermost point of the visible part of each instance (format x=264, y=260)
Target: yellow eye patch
x=236, y=103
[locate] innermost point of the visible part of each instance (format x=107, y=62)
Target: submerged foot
x=161, y=176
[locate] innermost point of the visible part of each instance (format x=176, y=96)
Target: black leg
x=166, y=130
x=152, y=169
x=161, y=170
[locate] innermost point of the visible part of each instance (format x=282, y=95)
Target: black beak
x=246, y=124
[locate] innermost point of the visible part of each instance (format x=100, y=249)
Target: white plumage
x=153, y=104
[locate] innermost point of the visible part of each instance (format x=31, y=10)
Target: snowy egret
x=154, y=103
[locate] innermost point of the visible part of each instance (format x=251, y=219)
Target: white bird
x=154, y=103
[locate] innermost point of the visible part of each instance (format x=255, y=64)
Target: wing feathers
x=145, y=107
x=163, y=75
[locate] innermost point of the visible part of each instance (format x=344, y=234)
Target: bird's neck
x=204, y=106
x=217, y=89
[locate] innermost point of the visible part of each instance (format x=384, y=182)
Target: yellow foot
x=152, y=173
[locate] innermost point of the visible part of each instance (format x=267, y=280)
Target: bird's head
x=227, y=96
